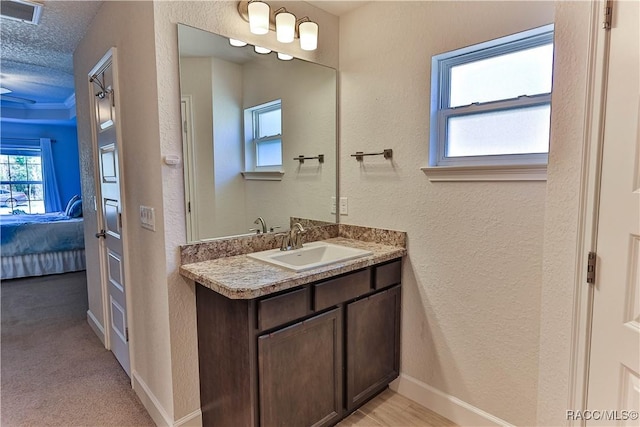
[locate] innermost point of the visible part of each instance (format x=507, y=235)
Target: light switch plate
x=148, y=218
x=333, y=205
x=344, y=206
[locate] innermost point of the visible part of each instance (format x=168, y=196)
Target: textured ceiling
x=37, y=60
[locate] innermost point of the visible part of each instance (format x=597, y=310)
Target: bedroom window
x=21, y=187
x=491, y=102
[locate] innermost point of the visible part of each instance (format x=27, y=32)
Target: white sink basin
x=311, y=255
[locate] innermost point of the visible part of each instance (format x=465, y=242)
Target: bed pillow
x=70, y=203
x=76, y=209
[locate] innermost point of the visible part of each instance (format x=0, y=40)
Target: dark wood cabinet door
x=373, y=345
x=300, y=373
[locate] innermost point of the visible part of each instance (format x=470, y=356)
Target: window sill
x=263, y=175
x=487, y=173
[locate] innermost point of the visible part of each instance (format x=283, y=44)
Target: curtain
x=51, y=194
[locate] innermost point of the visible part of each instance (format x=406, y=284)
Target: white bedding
x=42, y=264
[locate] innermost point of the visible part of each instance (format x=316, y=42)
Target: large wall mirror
x=247, y=118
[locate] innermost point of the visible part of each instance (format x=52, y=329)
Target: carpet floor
x=54, y=369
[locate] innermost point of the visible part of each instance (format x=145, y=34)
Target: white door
x=110, y=204
x=614, y=372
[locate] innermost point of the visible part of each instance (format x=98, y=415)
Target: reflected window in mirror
x=266, y=135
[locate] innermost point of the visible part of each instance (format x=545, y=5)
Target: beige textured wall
x=230, y=214
x=562, y=209
x=129, y=27
x=472, y=279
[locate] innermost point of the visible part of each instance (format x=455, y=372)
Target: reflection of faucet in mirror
x=293, y=239
x=263, y=224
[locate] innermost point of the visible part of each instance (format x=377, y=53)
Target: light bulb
x=284, y=56
x=237, y=43
x=258, y=17
x=285, y=27
x=308, y=35
x=260, y=49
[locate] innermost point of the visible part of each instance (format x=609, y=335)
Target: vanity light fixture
x=237, y=43
x=260, y=18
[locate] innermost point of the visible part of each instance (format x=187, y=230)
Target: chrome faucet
x=263, y=225
x=293, y=239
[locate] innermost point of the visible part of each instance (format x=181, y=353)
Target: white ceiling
x=337, y=8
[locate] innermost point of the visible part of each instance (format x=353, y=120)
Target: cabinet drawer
x=388, y=274
x=342, y=289
x=283, y=308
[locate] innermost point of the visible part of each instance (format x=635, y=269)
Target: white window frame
x=255, y=113
x=24, y=151
x=507, y=166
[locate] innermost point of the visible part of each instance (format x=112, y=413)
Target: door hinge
x=126, y=333
x=608, y=14
x=120, y=219
x=591, y=267
x=189, y=207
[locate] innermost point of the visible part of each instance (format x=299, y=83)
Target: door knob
x=102, y=234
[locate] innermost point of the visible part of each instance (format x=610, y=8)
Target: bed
x=36, y=245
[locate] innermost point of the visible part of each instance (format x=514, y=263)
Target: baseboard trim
x=150, y=402
x=157, y=412
x=193, y=419
x=458, y=411
x=98, y=329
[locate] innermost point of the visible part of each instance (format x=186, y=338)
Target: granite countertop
x=241, y=277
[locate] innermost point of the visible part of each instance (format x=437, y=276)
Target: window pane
x=18, y=168
x=519, y=131
x=34, y=172
x=269, y=153
x=270, y=123
x=526, y=72
x=22, y=189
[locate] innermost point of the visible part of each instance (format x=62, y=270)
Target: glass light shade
x=284, y=56
x=260, y=49
x=237, y=43
x=258, y=17
x=285, y=27
x=308, y=35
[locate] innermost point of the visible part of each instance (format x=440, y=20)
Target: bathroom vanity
x=286, y=348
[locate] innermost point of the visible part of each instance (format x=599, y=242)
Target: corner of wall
x=150, y=401
x=157, y=412
x=562, y=211
x=96, y=326
x=456, y=410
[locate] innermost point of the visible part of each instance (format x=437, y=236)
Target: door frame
x=589, y=202
x=111, y=56
x=190, y=170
